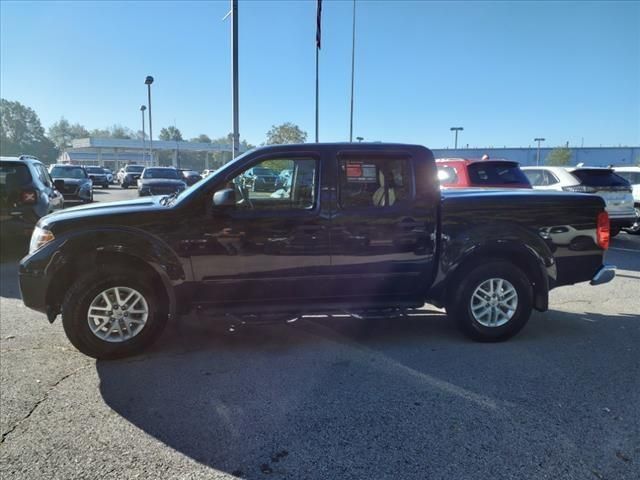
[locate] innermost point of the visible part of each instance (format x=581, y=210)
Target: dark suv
x=98, y=176
x=73, y=182
x=27, y=193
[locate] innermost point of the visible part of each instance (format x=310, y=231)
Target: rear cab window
x=487, y=173
x=376, y=182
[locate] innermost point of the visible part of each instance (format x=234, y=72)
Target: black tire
x=76, y=304
x=106, y=185
x=459, y=304
x=635, y=228
x=125, y=185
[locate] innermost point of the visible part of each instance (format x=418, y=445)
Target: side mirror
x=224, y=198
x=59, y=184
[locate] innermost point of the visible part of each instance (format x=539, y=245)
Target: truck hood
x=96, y=212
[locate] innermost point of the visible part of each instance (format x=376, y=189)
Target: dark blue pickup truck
x=359, y=227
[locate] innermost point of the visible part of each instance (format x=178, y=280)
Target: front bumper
x=33, y=290
x=78, y=195
x=605, y=274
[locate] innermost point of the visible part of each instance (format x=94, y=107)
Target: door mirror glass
x=224, y=198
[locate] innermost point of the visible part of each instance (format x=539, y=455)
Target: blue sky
x=505, y=71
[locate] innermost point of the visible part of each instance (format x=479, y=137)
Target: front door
x=273, y=244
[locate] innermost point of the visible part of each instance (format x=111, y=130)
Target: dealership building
x=115, y=153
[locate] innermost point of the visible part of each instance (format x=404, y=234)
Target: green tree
x=170, y=134
x=22, y=133
x=114, y=131
x=202, y=138
x=286, y=133
x=62, y=133
x=559, y=157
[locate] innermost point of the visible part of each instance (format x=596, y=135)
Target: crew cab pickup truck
x=359, y=228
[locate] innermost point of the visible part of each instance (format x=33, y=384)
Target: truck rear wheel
x=112, y=313
x=492, y=302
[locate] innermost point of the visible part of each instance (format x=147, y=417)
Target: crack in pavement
x=39, y=402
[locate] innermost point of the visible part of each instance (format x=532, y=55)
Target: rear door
x=383, y=224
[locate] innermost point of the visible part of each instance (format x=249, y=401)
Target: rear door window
x=374, y=182
x=496, y=173
x=600, y=178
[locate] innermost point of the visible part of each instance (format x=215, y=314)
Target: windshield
x=94, y=170
x=496, y=173
x=134, y=168
x=263, y=171
x=68, y=172
x=160, y=173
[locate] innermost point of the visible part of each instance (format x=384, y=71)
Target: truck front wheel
x=112, y=313
x=492, y=302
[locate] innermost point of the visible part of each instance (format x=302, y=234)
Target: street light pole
x=142, y=109
x=456, y=129
x=538, y=155
x=353, y=59
x=148, y=81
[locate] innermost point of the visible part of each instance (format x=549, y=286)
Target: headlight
x=39, y=238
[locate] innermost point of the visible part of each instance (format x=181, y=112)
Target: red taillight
x=603, y=230
x=29, y=197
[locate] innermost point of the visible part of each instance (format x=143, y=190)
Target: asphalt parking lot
x=406, y=398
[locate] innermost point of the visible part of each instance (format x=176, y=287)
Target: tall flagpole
x=318, y=42
x=234, y=75
x=353, y=59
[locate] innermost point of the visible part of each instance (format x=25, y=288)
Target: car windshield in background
x=599, y=177
x=631, y=177
x=135, y=169
x=496, y=173
x=160, y=173
x=263, y=171
x=68, y=172
x=94, y=170
x=13, y=175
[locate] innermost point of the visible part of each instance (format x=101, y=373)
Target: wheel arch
x=522, y=257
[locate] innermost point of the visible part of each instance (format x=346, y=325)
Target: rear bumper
x=605, y=274
x=622, y=222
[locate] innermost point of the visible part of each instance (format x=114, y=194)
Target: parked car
x=129, y=175
x=477, y=173
x=363, y=228
x=73, y=182
x=27, y=193
x=632, y=175
x=207, y=172
x=109, y=175
x=260, y=179
x=160, y=181
x=98, y=176
x=603, y=182
x=190, y=177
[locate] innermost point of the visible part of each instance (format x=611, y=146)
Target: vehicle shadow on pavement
x=334, y=397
